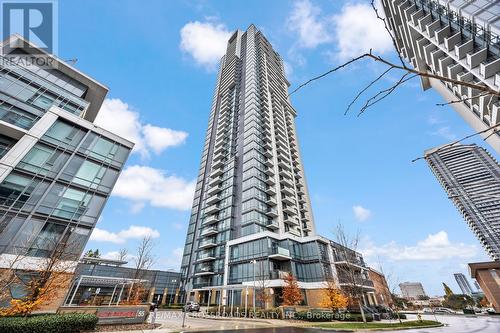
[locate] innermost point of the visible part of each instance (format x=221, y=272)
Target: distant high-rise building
x=57, y=168
x=412, y=290
x=478, y=287
x=471, y=177
x=463, y=284
x=251, y=221
x=459, y=40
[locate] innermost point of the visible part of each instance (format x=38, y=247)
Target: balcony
x=205, y=258
x=216, y=172
x=205, y=244
x=218, y=163
x=358, y=280
x=280, y=253
x=215, y=181
x=269, y=171
x=276, y=274
x=270, y=180
x=289, y=200
x=271, y=201
x=272, y=212
x=288, y=191
x=283, y=164
x=214, y=190
x=210, y=231
x=213, y=199
x=270, y=190
x=287, y=182
x=205, y=270
x=212, y=209
x=211, y=219
x=292, y=220
x=273, y=225
x=290, y=210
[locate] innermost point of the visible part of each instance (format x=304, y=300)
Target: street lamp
x=253, y=262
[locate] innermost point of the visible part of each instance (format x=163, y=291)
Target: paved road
x=461, y=324
x=172, y=321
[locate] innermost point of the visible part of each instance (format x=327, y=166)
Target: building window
x=47, y=240
x=64, y=134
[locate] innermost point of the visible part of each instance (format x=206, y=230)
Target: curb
x=377, y=329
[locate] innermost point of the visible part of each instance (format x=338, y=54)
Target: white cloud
x=435, y=247
x=133, y=232
x=142, y=184
x=357, y=30
x=159, y=138
x=118, y=117
x=288, y=69
x=205, y=42
x=305, y=20
x=173, y=261
x=177, y=226
x=361, y=213
x=445, y=132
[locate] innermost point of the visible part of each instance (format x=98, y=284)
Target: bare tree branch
x=386, y=92
x=463, y=139
x=393, y=38
x=366, y=88
x=326, y=73
x=463, y=99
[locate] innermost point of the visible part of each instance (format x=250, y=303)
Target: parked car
x=191, y=306
x=490, y=311
x=444, y=311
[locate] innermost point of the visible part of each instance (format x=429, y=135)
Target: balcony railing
x=460, y=23
x=357, y=280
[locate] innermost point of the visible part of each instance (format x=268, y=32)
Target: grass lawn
x=405, y=324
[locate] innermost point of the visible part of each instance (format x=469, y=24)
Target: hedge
x=322, y=316
x=54, y=323
x=172, y=306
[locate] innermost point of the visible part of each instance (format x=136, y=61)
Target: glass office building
x=99, y=281
x=251, y=212
x=57, y=168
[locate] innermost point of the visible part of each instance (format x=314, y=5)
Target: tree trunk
x=361, y=309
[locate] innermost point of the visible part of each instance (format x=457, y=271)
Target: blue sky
x=159, y=60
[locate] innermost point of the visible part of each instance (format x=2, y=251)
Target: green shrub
x=56, y=323
x=172, y=306
x=401, y=316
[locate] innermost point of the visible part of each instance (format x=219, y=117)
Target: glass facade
x=165, y=284
x=58, y=169
x=63, y=182
x=26, y=96
x=307, y=261
x=5, y=144
x=251, y=177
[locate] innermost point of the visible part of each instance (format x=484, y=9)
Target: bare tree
x=122, y=254
x=392, y=283
x=351, y=269
x=47, y=275
x=405, y=73
x=143, y=260
x=262, y=294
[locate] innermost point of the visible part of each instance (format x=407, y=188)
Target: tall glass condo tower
x=251, y=217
